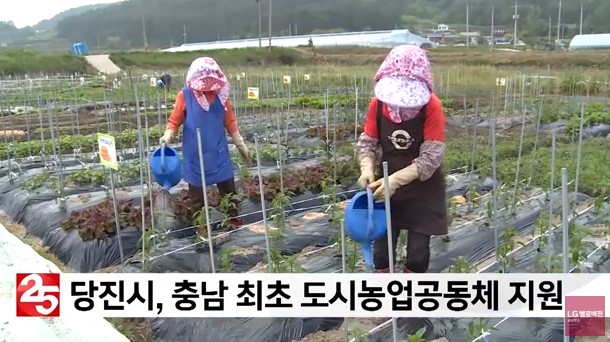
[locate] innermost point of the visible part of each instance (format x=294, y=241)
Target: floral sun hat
x=404, y=79
x=205, y=75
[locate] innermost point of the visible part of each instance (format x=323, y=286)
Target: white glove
x=396, y=180
x=239, y=142
x=167, y=137
x=367, y=173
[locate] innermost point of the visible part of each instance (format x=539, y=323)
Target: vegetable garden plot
x=587, y=240
x=94, y=222
x=304, y=245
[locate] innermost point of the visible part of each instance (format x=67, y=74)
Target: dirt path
x=25, y=253
x=103, y=64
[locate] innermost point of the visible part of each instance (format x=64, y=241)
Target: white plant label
x=501, y=82
x=153, y=81
x=82, y=81
x=306, y=77
x=252, y=93
x=286, y=79
x=107, y=151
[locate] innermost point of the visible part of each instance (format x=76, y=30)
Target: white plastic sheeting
x=366, y=39
x=17, y=257
x=590, y=41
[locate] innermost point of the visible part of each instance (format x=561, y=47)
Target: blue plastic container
x=365, y=222
x=166, y=166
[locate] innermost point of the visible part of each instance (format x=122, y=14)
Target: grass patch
x=20, y=62
x=133, y=328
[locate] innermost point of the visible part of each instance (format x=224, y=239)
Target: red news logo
x=37, y=294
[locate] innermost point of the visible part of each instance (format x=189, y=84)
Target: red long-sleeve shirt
x=434, y=125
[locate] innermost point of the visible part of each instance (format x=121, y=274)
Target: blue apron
x=217, y=163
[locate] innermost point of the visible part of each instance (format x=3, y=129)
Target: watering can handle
x=370, y=207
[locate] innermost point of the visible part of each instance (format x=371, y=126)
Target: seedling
x=358, y=334
x=418, y=336
x=478, y=327
x=244, y=172
x=224, y=259
x=351, y=257
x=228, y=203
x=278, y=203
x=506, y=246
x=462, y=265
x=200, y=223
x=577, y=234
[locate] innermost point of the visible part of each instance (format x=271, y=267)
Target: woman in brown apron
x=405, y=126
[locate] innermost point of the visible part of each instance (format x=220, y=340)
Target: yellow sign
x=501, y=82
x=106, y=147
x=307, y=77
x=286, y=79
x=252, y=93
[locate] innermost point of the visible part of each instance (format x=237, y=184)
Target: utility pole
x=184, y=34
x=550, y=28
x=144, y=33
x=559, y=23
x=515, y=18
x=270, y=21
x=467, y=27
x=581, y=10
x=260, y=32
x=491, y=29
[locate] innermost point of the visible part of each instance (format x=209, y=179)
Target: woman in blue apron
x=204, y=103
x=405, y=126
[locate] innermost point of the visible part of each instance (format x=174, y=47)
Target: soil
x=133, y=328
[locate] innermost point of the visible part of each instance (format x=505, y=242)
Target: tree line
x=162, y=23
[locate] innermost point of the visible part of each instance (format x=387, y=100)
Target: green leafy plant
x=278, y=203
x=228, y=204
x=477, y=327
x=462, y=265
x=358, y=334
x=224, y=259
x=418, y=336
x=507, y=245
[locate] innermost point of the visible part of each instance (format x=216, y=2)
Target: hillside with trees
x=134, y=24
x=121, y=25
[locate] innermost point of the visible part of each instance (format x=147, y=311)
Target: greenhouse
x=590, y=42
x=389, y=38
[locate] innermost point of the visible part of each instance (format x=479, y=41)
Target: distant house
x=442, y=28
x=590, y=42
x=498, y=31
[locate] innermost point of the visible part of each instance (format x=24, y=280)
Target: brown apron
x=417, y=206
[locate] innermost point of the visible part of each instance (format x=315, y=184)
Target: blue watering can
x=365, y=222
x=166, y=166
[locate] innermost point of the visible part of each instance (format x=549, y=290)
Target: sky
x=30, y=12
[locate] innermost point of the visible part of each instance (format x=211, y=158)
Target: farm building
x=590, y=41
x=388, y=38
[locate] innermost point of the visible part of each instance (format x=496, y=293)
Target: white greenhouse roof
x=590, y=41
x=389, y=38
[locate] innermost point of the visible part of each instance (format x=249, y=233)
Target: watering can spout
x=166, y=166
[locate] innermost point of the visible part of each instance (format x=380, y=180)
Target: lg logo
x=37, y=294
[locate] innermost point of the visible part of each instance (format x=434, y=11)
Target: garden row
x=525, y=247
x=302, y=235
